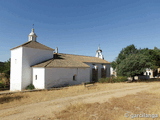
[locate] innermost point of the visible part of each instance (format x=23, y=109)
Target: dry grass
x=10, y=113
x=144, y=102
x=17, y=99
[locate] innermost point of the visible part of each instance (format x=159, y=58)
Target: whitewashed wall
x=16, y=69
x=149, y=72
x=39, y=78
x=31, y=57
x=22, y=59
x=56, y=77
x=113, y=72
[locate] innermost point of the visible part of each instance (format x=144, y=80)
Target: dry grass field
x=98, y=102
x=124, y=108
x=18, y=99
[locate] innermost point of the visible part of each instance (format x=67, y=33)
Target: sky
x=80, y=26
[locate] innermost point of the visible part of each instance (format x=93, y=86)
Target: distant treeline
x=5, y=68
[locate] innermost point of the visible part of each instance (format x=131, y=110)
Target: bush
x=30, y=87
x=3, y=82
x=2, y=85
x=121, y=79
x=113, y=79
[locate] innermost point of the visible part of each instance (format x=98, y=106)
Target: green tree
x=153, y=55
x=124, y=53
x=1, y=67
x=113, y=65
x=132, y=61
x=134, y=64
x=6, y=69
x=5, y=77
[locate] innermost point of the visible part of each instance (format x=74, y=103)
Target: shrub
x=2, y=85
x=4, y=81
x=113, y=79
x=30, y=87
x=104, y=80
x=121, y=79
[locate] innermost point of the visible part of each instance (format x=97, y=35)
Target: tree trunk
x=133, y=80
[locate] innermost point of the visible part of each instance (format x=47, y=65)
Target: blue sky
x=79, y=26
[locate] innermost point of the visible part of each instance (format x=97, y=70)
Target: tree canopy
x=5, y=68
x=132, y=61
x=1, y=67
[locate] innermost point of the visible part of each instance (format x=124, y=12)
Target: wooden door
x=103, y=73
x=94, y=75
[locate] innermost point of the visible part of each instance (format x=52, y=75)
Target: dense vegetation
x=4, y=74
x=113, y=79
x=132, y=61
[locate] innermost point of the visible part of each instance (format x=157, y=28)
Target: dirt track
x=41, y=110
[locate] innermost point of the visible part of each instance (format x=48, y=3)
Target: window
x=35, y=77
x=15, y=61
x=74, y=78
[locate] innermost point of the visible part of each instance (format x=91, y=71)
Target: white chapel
x=37, y=64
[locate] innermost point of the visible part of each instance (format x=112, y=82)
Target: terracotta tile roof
x=33, y=44
x=68, y=60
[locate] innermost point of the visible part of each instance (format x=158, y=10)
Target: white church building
x=37, y=64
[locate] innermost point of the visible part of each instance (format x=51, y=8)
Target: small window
x=74, y=78
x=15, y=61
x=35, y=77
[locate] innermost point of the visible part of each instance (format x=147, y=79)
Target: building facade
x=37, y=64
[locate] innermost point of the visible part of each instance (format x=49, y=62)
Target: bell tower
x=32, y=36
x=99, y=53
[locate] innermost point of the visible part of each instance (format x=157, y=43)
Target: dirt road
x=41, y=110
